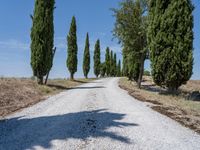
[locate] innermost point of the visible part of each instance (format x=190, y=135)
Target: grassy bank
x=16, y=94
x=177, y=107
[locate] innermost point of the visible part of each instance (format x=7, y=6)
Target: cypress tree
x=170, y=39
x=133, y=67
x=86, y=59
x=115, y=64
x=42, y=34
x=119, y=69
x=107, y=61
x=125, y=64
x=103, y=69
x=72, y=59
x=97, y=59
x=111, y=64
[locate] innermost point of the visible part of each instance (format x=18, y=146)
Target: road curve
x=98, y=115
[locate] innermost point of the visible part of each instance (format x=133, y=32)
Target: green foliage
x=107, y=61
x=147, y=73
x=103, y=69
x=133, y=67
x=111, y=64
x=97, y=58
x=72, y=59
x=125, y=65
x=42, y=38
x=115, y=65
x=119, y=69
x=86, y=59
x=170, y=39
x=130, y=29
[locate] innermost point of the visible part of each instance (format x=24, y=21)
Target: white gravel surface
x=98, y=115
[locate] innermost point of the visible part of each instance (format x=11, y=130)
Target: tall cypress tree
x=119, y=69
x=97, y=58
x=72, y=59
x=111, y=64
x=133, y=66
x=125, y=64
x=115, y=64
x=107, y=61
x=86, y=59
x=170, y=39
x=42, y=34
x=103, y=69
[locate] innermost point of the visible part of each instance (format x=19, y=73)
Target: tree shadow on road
x=24, y=133
x=60, y=87
x=87, y=88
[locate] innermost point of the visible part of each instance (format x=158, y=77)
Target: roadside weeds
x=177, y=108
x=16, y=94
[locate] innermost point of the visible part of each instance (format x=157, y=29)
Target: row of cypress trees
x=109, y=68
x=113, y=68
x=162, y=30
x=42, y=43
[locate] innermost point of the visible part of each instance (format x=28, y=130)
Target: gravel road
x=98, y=115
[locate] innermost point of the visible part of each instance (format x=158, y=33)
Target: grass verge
x=16, y=94
x=176, y=107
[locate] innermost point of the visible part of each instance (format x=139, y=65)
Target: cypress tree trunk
x=141, y=71
x=45, y=82
x=71, y=76
x=129, y=77
x=172, y=90
x=40, y=80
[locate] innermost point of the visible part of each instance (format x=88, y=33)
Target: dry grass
x=192, y=85
x=174, y=106
x=58, y=85
x=16, y=94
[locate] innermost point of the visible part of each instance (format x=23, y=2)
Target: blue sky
x=93, y=16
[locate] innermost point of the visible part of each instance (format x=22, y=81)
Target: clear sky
x=93, y=16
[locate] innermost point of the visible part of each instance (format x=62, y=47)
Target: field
x=177, y=107
x=16, y=94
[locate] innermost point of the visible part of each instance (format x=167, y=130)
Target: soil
x=186, y=116
x=16, y=94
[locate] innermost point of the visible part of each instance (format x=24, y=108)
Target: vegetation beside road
x=20, y=93
x=177, y=107
x=161, y=31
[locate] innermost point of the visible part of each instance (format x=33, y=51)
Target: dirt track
x=98, y=115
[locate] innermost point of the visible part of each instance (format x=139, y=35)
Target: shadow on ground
x=22, y=133
x=60, y=87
